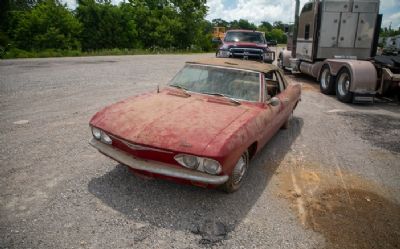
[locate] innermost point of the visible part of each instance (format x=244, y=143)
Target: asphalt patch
x=211, y=232
x=381, y=130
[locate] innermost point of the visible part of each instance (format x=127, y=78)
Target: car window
x=244, y=37
x=234, y=83
x=271, y=85
x=191, y=75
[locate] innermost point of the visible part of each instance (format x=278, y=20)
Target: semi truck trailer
x=335, y=41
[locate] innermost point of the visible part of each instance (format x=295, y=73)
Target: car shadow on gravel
x=210, y=213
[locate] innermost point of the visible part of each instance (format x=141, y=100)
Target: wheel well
x=252, y=150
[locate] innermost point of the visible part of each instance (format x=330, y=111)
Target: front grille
x=143, y=151
x=251, y=52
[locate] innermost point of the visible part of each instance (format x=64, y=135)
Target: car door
x=283, y=97
x=269, y=117
x=288, y=96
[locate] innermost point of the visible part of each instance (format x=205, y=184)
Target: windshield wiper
x=184, y=90
x=179, y=87
x=222, y=95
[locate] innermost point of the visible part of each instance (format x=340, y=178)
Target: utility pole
x=295, y=28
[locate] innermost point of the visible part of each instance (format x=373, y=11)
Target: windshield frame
x=260, y=78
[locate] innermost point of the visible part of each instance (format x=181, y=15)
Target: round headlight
x=105, y=138
x=96, y=133
x=211, y=166
x=190, y=161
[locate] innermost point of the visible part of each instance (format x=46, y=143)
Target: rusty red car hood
x=169, y=120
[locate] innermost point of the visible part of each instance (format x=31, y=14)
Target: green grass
x=19, y=53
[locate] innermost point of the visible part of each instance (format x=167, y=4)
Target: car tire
x=343, y=85
x=327, y=81
x=238, y=174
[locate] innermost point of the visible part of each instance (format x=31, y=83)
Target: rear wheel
x=327, y=81
x=343, y=84
x=238, y=173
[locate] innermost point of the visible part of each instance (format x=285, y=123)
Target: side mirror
x=274, y=101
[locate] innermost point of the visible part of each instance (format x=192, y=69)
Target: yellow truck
x=218, y=33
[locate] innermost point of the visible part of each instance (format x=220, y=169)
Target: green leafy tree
x=191, y=14
x=242, y=24
x=276, y=34
x=204, y=36
x=279, y=25
x=106, y=25
x=49, y=25
x=219, y=23
x=265, y=26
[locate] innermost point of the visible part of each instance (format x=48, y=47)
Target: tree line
x=35, y=25
x=276, y=31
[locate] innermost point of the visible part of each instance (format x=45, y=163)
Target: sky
x=257, y=11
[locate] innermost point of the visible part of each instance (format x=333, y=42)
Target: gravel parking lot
x=332, y=180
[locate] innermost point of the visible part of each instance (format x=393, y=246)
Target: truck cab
x=336, y=43
x=338, y=28
x=245, y=44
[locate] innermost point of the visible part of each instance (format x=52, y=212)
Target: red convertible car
x=204, y=127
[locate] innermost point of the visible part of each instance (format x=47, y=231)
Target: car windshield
x=232, y=83
x=244, y=37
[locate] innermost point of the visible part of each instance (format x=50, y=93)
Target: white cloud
x=257, y=11
x=254, y=11
x=393, y=20
x=71, y=4
x=385, y=4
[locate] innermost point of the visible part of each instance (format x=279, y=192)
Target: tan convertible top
x=237, y=63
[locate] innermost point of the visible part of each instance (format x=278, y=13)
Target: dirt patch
x=307, y=82
x=310, y=87
x=348, y=211
x=381, y=130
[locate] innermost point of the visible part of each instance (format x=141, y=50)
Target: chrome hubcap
x=240, y=169
x=325, y=78
x=344, y=84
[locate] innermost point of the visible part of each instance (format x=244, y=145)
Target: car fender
x=230, y=144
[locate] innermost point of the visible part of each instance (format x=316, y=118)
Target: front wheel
x=343, y=84
x=238, y=173
x=326, y=81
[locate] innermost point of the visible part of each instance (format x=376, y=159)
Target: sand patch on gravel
x=349, y=211
x=310, y=87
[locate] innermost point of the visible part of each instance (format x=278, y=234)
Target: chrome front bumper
x=157, y=167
